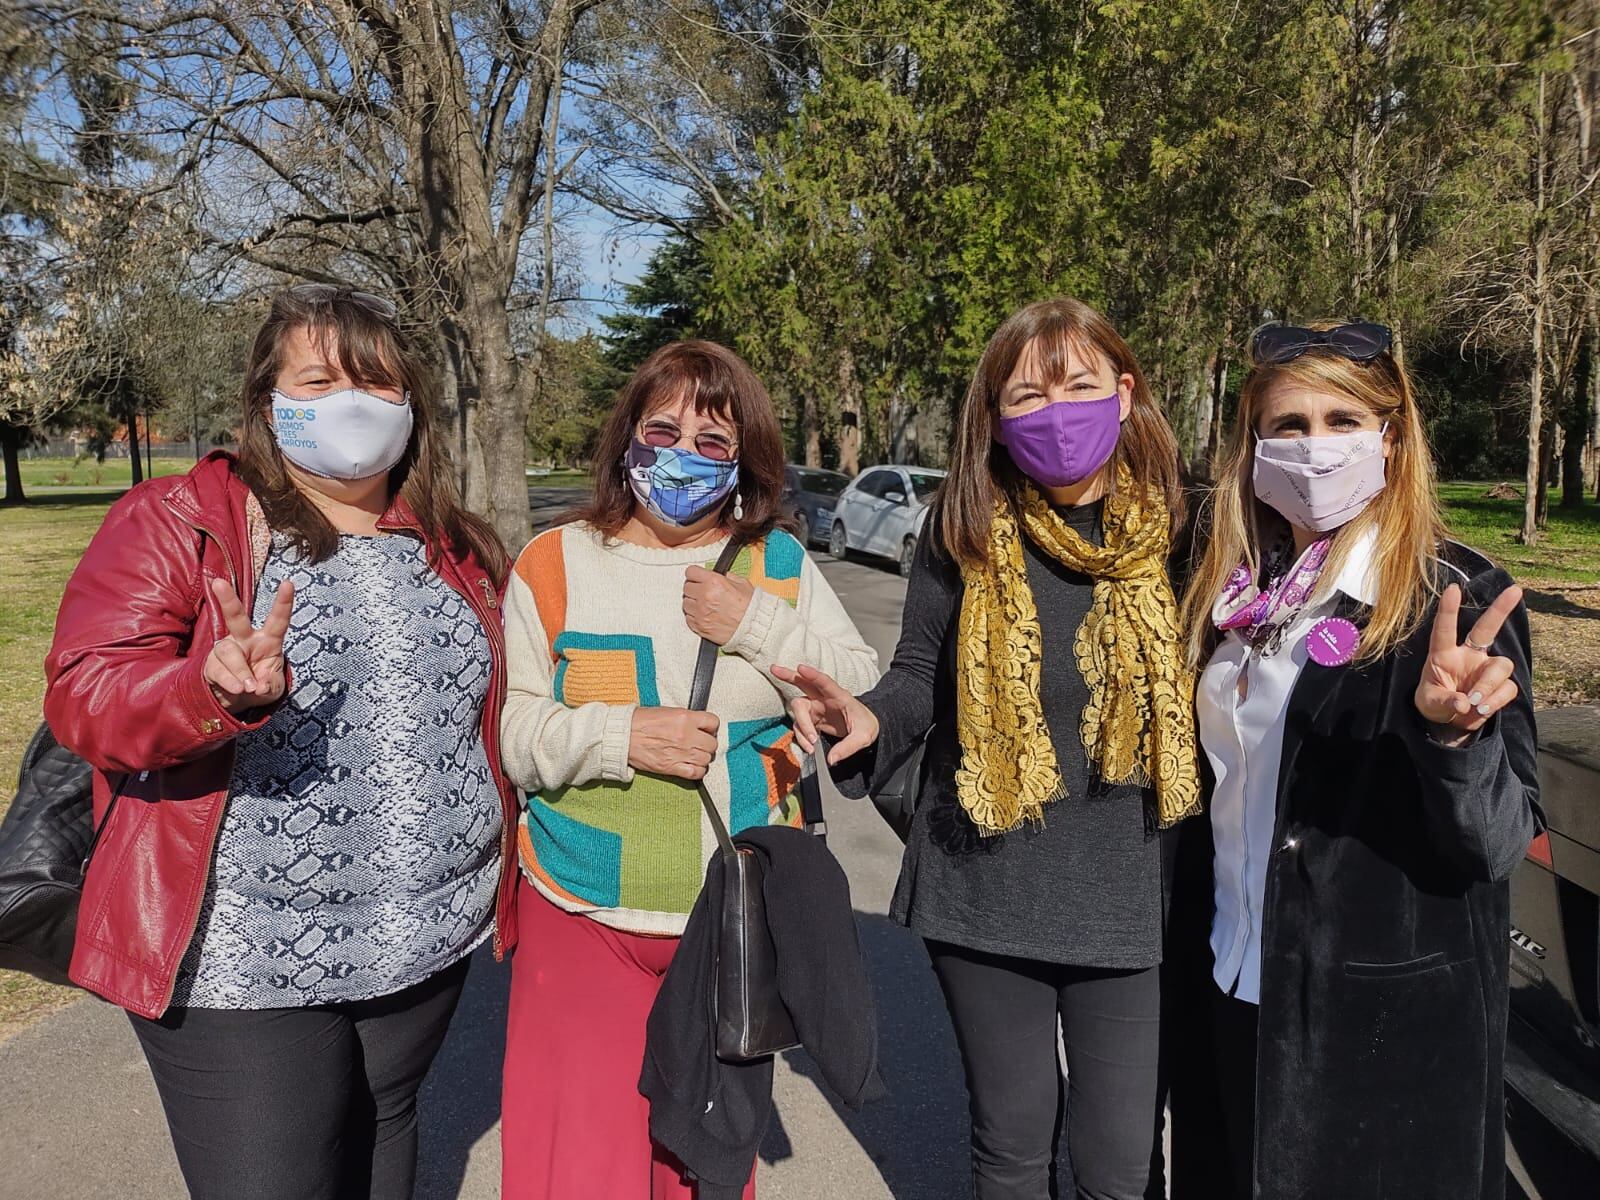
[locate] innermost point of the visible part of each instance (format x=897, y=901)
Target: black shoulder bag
x=751, y=1020
x=897, y=798
x=46, y=840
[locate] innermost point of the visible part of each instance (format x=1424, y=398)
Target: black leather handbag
x=896, y=800
x=751, y=1020
x=46, y=841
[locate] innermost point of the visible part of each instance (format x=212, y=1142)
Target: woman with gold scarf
x=1040, y=664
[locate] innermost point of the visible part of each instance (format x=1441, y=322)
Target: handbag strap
x=705, y=667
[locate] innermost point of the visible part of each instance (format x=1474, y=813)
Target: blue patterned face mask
x=678, y=485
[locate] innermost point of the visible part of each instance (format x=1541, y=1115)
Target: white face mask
x=348, y=434
x=1320, y=483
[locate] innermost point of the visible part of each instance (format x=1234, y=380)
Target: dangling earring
x=738, y=507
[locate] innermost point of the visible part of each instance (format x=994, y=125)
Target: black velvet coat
x=1385, y=939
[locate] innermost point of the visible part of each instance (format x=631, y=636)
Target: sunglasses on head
x=1361, y=341
x=327, y=291
x=663, y=434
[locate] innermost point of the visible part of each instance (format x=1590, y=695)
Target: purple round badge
x=1332, y=642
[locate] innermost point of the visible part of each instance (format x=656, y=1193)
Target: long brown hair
x=718, y=381
x=1405, y=513
x=981, y=468
x=372, y=351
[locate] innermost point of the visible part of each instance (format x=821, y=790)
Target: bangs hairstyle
x=719, y=382
x=359, y=332
x=1055, y=333
x=1236, y=526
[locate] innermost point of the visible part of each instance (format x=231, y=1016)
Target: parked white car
x=882, y=512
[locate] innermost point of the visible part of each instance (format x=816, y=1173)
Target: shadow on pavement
x=917, y=1137
x=460, y=1102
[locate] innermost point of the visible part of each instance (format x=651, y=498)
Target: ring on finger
x=1475, y=646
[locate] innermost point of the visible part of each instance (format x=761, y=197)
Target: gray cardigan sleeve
x=905, y=699
x=1481, y=800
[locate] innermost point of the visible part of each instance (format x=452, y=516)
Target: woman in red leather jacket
x=287, y=669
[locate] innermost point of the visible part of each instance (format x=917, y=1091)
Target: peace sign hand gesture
x=1462, y=685
x=245, y=669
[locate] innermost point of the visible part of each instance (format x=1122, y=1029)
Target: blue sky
x=611, y=259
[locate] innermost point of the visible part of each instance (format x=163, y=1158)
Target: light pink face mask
x=1320, y=483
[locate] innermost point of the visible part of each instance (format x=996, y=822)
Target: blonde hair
x=1405, y=513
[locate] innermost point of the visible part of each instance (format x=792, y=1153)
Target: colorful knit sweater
x=595, y=629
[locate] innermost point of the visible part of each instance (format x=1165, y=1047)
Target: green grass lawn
x=1567, y=552
x=40, y=543
x=86, y=472
x=560, y=479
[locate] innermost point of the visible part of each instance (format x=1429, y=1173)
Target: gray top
x=359, y=853
x=1085, y=887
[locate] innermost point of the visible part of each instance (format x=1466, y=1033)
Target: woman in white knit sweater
x=604, y=616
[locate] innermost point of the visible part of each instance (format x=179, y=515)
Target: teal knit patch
x=585, y=861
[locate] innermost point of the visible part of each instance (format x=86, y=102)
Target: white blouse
x=1241, y=701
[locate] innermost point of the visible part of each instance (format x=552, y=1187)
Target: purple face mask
x=1320, y=483
x=1065, y=442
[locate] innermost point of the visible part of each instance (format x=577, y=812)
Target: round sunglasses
x=663, y=434
x=1360, y=341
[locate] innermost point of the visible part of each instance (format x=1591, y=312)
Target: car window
x=821, y=483
x=925, y=485
x=873, y=483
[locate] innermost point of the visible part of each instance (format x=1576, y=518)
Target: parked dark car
x=1553, y=1055
x=808, y=497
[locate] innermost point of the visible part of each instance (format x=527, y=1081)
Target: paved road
x=81, y=1118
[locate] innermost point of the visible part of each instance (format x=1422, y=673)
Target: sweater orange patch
x=542, y=565
x=603, y=676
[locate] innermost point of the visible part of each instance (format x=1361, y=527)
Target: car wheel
x=802, y=530
x=838, y=544
x=908, y=552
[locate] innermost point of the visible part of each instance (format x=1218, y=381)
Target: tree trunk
x=1549, y=464
x=1529, y=533
x=133, y=448
x=498, y=427
x=1219, y=388
x=1532, y=476
x=11, y=439
x=1594, y=433
x=810, y=428
x=849, y=438
x=1577, y=424
x=473, y=223
x=1199, y=411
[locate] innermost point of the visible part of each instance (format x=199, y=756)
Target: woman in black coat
x=1364, y=709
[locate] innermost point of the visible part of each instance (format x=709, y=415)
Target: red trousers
x=573, y=1125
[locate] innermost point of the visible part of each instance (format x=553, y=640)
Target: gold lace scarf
x=1138, y=726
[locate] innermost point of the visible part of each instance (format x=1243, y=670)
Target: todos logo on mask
x=348, y=434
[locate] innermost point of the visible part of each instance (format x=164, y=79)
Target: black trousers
x=1233, y=1040
x=300, y=1103
x=1005, y=1011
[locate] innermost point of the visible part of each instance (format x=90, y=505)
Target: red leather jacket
x=124, y=690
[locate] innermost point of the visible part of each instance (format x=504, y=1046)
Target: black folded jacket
x=712, y=1114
